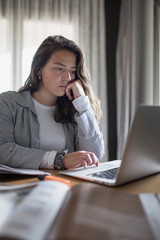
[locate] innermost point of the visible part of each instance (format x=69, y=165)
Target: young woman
x=52, y=121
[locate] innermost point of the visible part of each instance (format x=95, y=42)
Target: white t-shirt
x=52, y=136
x=51, y=133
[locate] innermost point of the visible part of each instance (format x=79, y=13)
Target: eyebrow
x=63, y=65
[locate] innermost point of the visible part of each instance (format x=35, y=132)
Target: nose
x=67, y=75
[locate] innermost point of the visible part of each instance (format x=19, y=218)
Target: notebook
x=141, y=156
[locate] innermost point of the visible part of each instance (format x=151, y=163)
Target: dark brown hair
x=65, y=111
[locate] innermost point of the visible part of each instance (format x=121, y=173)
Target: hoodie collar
x=25, y=99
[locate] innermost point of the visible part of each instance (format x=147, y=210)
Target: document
x=7, y=169
x=33, y=216
x=6, y=187
x=53, y=211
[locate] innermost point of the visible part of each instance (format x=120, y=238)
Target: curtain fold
x=29, y=22
x=135, y=61
x=156, y=51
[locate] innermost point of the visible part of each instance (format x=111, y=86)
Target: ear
x=39, y=74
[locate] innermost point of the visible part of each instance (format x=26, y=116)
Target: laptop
x=141, y=156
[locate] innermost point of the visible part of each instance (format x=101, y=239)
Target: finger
x=81, y=162
x=95, y=159
x=92, y=159
x=76, y=88
x=89, y=157
x=84, y=164
x=97, y=163
x=85, y=157
x=68, y=93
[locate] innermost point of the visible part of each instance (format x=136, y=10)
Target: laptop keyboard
x=108, y=174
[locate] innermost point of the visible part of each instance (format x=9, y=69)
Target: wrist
x=58, y=162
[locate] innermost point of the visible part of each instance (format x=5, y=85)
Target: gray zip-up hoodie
x=19, y=132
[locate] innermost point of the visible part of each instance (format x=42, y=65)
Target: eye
x=73, y=72
x=59, y=69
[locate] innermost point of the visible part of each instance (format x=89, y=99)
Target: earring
x=39, y=77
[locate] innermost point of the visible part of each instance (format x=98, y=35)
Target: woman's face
x=59, y=70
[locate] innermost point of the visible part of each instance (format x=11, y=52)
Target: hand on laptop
x=80, y=158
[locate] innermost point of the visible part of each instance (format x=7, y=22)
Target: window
x=5, y=58
x=34, y=32
x=41, y=30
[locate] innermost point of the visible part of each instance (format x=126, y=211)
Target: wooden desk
x=146, y=185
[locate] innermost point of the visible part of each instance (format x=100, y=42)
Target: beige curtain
x=157, y=51
x=135, y=63
x=25, y=23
